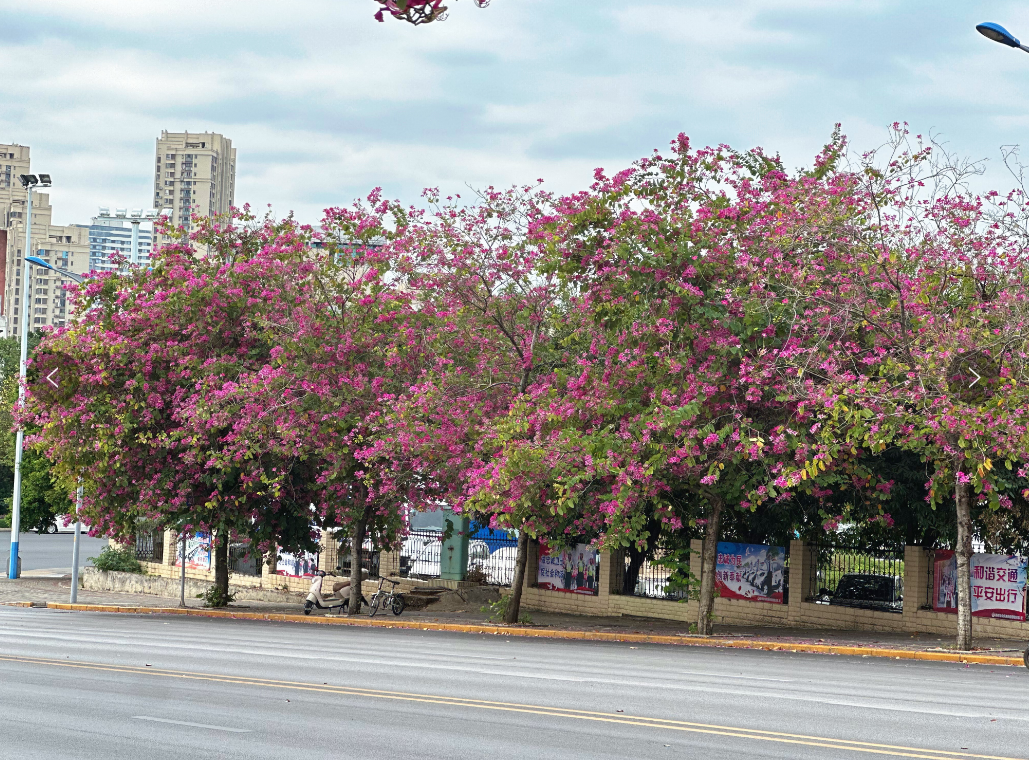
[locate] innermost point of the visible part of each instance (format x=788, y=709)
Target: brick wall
x=797, y=613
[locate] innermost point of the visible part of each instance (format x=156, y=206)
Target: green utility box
x=453, y=560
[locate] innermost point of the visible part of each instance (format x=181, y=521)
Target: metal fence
x=654, y=580
x=369, y=561
x=494, y=554
x=150, y=546
x=244, y=559
x=420, y=554
x=870, y=577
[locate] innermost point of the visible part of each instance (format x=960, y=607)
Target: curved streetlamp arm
x=77, y=278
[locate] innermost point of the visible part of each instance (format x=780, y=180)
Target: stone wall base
x=92, y=579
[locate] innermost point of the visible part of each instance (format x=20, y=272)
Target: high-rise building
x=14, y=160
x=111, y=234
x=64, y=246
x=195, y=173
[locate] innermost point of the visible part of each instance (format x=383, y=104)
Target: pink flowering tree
x=678, y=405
x=347, y=341
x=926, y=335
x=489, y=311
x=140, y=420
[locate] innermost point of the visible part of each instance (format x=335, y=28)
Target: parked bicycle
x=387, y=599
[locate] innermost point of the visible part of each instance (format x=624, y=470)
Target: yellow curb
x=635, y=638
x=16, y=604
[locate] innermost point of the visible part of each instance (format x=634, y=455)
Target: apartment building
x=111, y=234
x=194, y=173
x=14, y=160
x=64, y=246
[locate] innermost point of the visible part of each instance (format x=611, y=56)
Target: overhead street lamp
x=29, y=182
x=997, y=33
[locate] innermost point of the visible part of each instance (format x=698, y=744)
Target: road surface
x=48, y=551
x=94, y=685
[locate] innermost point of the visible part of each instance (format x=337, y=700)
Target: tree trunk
x=705, y=624
x=963, y=500
x=357, y=563
x=221, y=564
x=514, y=603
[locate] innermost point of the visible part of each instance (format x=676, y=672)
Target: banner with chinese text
x=750, y=571
x=574, y=571
x=998, y=584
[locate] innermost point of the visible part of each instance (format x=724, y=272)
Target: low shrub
x=118, y=561
x=214, y=597
x=498, y=609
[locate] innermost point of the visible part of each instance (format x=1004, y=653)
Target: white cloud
x=323, y=103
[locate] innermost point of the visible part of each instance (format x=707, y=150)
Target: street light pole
x=36, y=261
x=182, y=575
x=28, y=181
x=75, y=547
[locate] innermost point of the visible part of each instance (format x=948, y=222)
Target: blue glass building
x=112, y=233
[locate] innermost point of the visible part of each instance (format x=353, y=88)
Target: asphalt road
x=48, y=551
x=94, y=685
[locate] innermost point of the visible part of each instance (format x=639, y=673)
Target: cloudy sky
x=323, y=103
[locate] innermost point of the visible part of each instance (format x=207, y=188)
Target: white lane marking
x=192, y=725
x=916, y=703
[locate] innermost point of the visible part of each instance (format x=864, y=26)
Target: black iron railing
x=658, y=581
x=858, y=576
x=150, y=546
x=244, y=559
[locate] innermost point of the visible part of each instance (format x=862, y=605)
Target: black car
x=870, y=592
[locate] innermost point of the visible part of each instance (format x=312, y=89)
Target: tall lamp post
x=35, y=260
x=997, y=33
x=29, y=182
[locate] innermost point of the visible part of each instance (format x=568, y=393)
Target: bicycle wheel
x=398, y=604
x=373, y=605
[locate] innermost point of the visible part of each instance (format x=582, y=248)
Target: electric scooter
x=335, y=601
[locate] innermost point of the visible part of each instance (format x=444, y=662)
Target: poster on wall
x=300, y=565
x=998, y=584
x=574, y=571
x=750, y=571
x=198, y=552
